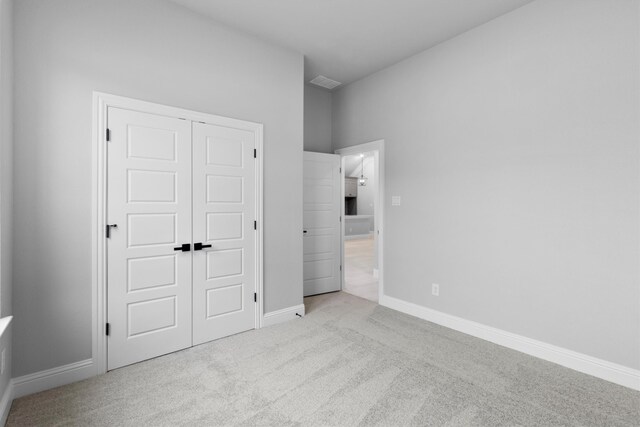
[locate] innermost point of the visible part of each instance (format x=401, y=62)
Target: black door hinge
x=341, y=268
x=255, y=225
x=108, y=135
x=255, y=297
x=107, y=329
x=255, y=153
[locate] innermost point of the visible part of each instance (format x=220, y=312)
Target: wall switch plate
x=395, y=200
x=435, y=289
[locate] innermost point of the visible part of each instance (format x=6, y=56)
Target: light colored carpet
x=358, y=269
x=348, y=362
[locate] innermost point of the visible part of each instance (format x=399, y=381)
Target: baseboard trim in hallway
x=599, y=368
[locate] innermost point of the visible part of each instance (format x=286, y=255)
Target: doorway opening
x=362, y=210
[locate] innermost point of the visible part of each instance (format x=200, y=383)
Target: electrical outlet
x=435, y=289
x=2, y=361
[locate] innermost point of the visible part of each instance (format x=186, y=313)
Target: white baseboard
x=599, y=368
x=283, y=315
x=5, y=404
x=55, y=377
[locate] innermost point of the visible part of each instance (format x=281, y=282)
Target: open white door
x=224, y=211
x=149, y=210
x=321, y=222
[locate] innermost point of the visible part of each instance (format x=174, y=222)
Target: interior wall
x=317, y=120
x=6, y=152
x=6, y=144
x=515, y=149
x=158, y=52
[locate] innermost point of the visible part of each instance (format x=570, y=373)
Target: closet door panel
x=223, y=217
x=149, y=205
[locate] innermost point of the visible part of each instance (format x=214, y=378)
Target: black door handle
x=304, y=231
x=186, y=247
x=109, y=226
x=200, y=246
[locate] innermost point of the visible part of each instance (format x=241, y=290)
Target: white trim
x=259, y=133
x=5, y=403
x=599, y=368
x=101, y=103
x=379, y=202
x=55, y=377
x=283, y=315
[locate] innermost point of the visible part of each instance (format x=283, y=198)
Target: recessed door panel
x=222, y=226
x=318, y=244
x=149, y=198
x=145, y=317
x=225, y=300
x=224, y=211
x=147, y=186
x=152, y=229
x=153, y=144
x=224, y=189
x=151, y=272
x=225, y=151
x=222, y=263
x=320, y=269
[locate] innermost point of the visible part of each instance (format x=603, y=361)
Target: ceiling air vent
x=325, y=82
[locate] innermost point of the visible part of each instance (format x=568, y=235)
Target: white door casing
x=224, y=211
x=321, y=223
x=149, y=201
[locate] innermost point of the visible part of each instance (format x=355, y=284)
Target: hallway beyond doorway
x=359, y=261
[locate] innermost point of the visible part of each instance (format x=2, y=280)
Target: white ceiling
x=346, y=40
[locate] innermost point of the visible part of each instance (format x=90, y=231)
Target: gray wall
x=317, y=120
x=515, y=148
x=6, y=152
x=155, y=51
x=6, y=142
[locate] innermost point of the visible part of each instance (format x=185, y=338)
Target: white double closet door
x=181, y=247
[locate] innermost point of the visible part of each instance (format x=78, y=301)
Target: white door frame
x=378, y=148
x=101, y=102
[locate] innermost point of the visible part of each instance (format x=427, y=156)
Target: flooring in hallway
x=358, y=273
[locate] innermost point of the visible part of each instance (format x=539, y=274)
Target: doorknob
x=200, y=246
x=304, y=231
x=109, y=226
x=186, y=247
